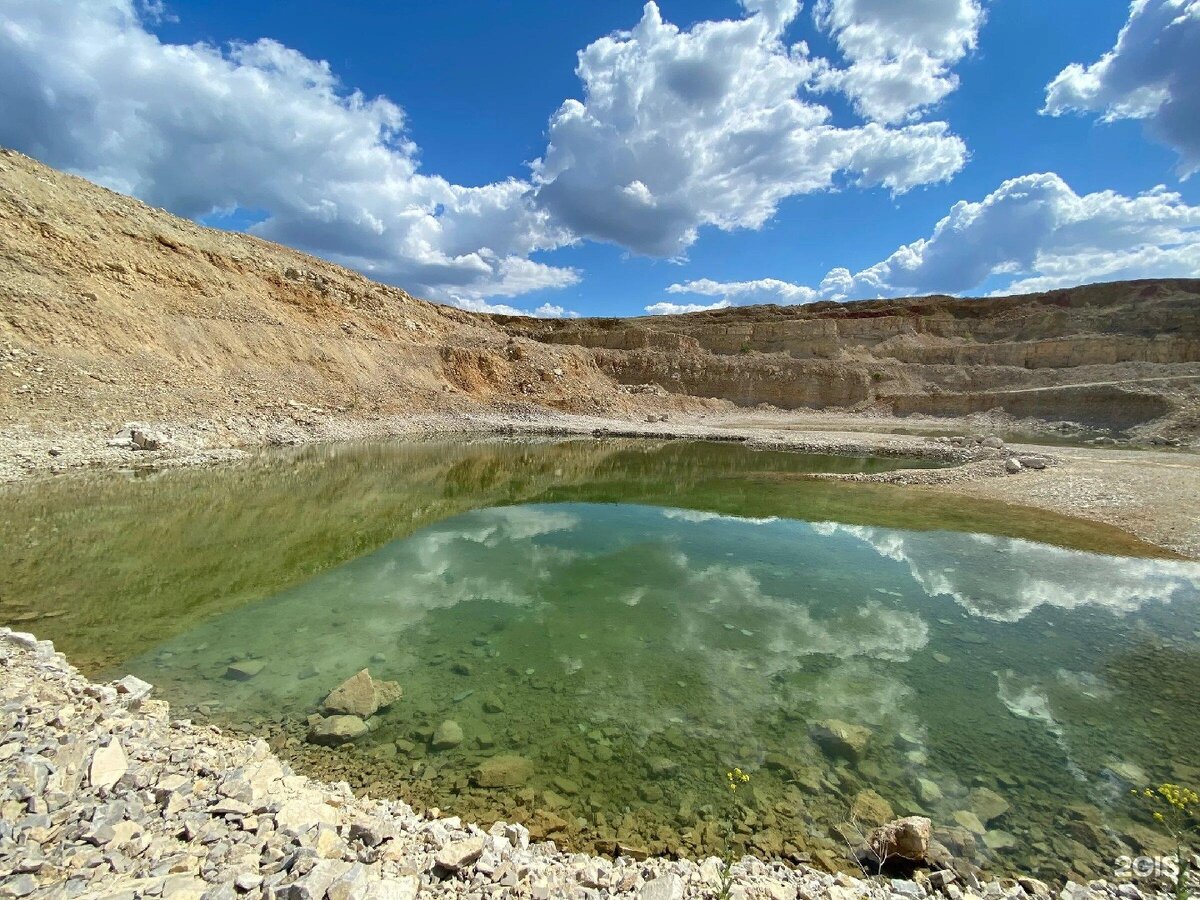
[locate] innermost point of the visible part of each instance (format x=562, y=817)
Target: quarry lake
x=590, y=634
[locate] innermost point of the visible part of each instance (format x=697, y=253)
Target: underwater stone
x=449, y=734
x=566, y=785
x=245, y=669
x=362, y=696
x=871, y=808
x=999, y=840
x=987, y=804
x=969, y=821
x=336, y=730
x=508, y=770
x=840, y=738
x=928, y=791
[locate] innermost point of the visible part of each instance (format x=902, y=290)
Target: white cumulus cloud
x=1152, y=73
x=84, y=85
x=667, y=308
x=899, y=55
x=1034, y=230
x=679, y=129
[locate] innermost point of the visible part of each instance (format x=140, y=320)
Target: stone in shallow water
x=870, y=808
x=244, y=669
x=449, y=734
x=987, y=804
x=362, y=696
x=508, y=770
x=1129, y=773
x=969, y=821
x=838, y=738
x=928, y=791
x=999, y=840
x=566, y=785
x=335, y=730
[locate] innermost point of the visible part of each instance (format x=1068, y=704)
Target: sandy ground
x=1154, y=495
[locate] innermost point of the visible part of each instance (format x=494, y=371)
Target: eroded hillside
x=112, y=310
x=1111, y=355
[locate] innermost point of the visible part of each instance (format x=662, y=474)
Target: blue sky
x=706, y=165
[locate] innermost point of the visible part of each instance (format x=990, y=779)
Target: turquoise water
x=629, y=655
x=615, y=624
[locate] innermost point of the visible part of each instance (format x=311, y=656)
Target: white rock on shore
x=177, y=811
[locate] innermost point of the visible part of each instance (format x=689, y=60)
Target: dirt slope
x=111, y=310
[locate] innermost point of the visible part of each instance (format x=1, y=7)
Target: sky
x=622, y=158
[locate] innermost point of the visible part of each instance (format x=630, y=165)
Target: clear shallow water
x=632, y=650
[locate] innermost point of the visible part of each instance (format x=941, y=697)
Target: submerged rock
x=508, y=770
x=244, y=669
x=449, y=734
x=928, y=791
x=969, y=821
x=838, y=738
x=335, y=730
x=362, y=696
x=987, y=804
x=870, y=808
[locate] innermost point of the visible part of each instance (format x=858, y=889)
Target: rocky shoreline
x=104, y=795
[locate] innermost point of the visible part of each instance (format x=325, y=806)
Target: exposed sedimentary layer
x=1111, y=355
x=113, y=311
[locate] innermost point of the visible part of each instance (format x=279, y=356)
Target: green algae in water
x=630, y=654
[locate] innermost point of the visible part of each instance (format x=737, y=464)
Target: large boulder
x=907, y=838
x=362, y=696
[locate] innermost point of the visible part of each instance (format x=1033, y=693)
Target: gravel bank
x=104, y=795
